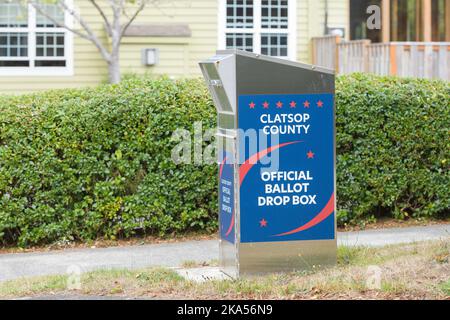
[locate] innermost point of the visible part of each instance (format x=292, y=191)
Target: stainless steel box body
x=230, y=74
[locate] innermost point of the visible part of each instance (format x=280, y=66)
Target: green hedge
x=83, y=164
x=393, y=147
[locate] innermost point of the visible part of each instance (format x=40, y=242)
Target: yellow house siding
x=339, y=15
x=303, y=20
x=179, y=56
x=311, y=22
x=174, y=59
x=178, y=59
x=89, y=68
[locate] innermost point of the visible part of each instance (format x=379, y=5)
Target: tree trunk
x=114, y=69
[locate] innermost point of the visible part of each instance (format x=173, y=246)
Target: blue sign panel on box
x=287, y=188
x=226, y=197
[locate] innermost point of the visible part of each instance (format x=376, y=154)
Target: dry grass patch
x=413, y=271
x=196, y=264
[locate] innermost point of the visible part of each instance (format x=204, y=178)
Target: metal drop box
x=276, y=197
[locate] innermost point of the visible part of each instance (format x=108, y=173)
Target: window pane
x=358, y=21
x=13, y=15
x=274, y=44
x=40, y=40
x=14, y=63
x=242, y=41
x=438, y=23
x=239, y=13
x=53, y=11
x=60, y=40
x=49, y=44
x=405, y=22
x=52, y=63
x=274, y=14
x=13, y=44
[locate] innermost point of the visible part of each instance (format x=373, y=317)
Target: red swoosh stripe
x=230, y=228
x=325, y=213
x=247, y=165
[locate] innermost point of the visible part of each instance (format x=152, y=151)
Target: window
x=31, y=43
x=274, y=45
x=274, y=14
x=243, y=41
x=358, y=21
x=406, y=20
x=261, y=26
x=239, y=13
x=440, y=17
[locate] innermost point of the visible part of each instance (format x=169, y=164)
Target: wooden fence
x=405, y=59
x=325, y=50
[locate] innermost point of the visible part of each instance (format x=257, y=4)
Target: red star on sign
x=293, y=104
x=306, y=104
x=279, y=105
x=266, y=105
x=310, y=155
x=252, y=105
x=320, y=104
x=263, y=223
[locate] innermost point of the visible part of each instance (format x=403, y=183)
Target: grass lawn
x=413, y=271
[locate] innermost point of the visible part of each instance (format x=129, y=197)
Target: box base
x=275, y=257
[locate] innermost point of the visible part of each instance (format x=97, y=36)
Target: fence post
x=428, y=61
x=336, y=54
x=324, y=51
x=393, y=59
x=442, y=62
x=365, y=53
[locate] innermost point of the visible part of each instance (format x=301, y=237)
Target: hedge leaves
x=89, y=163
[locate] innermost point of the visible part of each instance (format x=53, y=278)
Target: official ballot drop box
x=276, y=154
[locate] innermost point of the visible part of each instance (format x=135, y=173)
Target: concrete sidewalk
x=13, y=266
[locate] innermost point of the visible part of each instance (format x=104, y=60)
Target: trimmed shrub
x=82, y=164
x=90, y=163
x=393, y=147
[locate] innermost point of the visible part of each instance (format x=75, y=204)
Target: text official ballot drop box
x=276, y=150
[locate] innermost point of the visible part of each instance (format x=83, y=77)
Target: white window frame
x=31, y=30
x=257, y=30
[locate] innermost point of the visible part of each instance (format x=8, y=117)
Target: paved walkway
x=14, y=266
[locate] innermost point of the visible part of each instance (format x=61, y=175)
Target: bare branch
x=114, y=26
x=113, y=4
x=93, y=38
x=156, y=4
x=90, y=36
x=116, y=6
x=103, y=15
x=58, y=24
x=132, y=18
